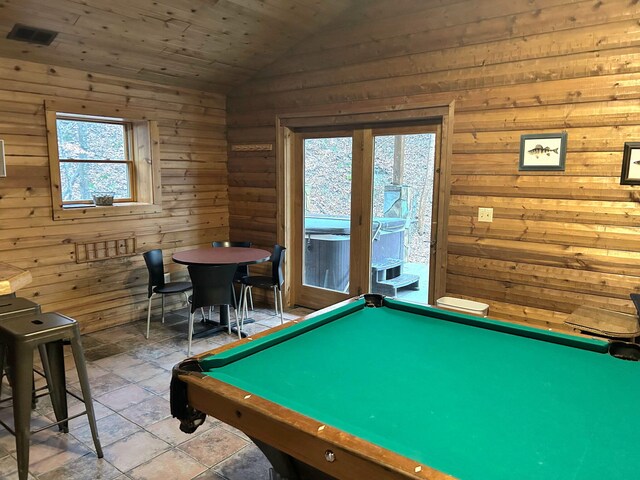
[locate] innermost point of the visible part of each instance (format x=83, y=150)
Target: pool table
x=375, y=388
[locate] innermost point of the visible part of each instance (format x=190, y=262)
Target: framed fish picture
x=631, y=164
x=543, y=151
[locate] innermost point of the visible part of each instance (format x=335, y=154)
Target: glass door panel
x=327, y=212
x=403, y=182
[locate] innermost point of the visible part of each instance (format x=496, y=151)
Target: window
x=96, y=152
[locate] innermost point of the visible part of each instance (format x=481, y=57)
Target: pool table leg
x=288, y=468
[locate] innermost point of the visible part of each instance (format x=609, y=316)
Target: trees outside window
x=94, y=156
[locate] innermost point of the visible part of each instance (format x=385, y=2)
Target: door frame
x=361, y=117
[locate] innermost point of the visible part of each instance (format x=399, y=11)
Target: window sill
x=117, y=210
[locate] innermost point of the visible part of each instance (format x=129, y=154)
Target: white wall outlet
x=167, y=277
x=485, y=214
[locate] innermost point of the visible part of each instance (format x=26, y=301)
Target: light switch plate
x=485, y=214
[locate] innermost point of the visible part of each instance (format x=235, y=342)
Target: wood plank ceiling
x=210, y=45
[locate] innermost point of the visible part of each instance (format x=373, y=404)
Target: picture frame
x=630, y=174
x=543, y=151
x=3, y=167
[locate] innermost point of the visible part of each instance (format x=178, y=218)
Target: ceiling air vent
x=35, y=35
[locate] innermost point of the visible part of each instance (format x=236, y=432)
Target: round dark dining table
x=222, y=256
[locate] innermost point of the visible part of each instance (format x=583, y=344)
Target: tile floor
x=129, y=378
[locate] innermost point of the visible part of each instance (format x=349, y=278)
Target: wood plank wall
x=194, y=192
x=513, y=67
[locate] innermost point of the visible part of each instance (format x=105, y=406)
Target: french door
x=362, y=212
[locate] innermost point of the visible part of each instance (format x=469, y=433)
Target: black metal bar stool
x=19, y=336
x=10, y=306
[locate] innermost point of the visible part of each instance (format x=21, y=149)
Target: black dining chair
x=275, y=282
x=242, y=271
x=210, y=287
x=157, y=285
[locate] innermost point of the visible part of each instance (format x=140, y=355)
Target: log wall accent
x=194, y=192
x=513, y=67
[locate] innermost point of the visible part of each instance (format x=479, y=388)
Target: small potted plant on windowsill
x=103, y=199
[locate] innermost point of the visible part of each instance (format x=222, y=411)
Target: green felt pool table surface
x=474, y=398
